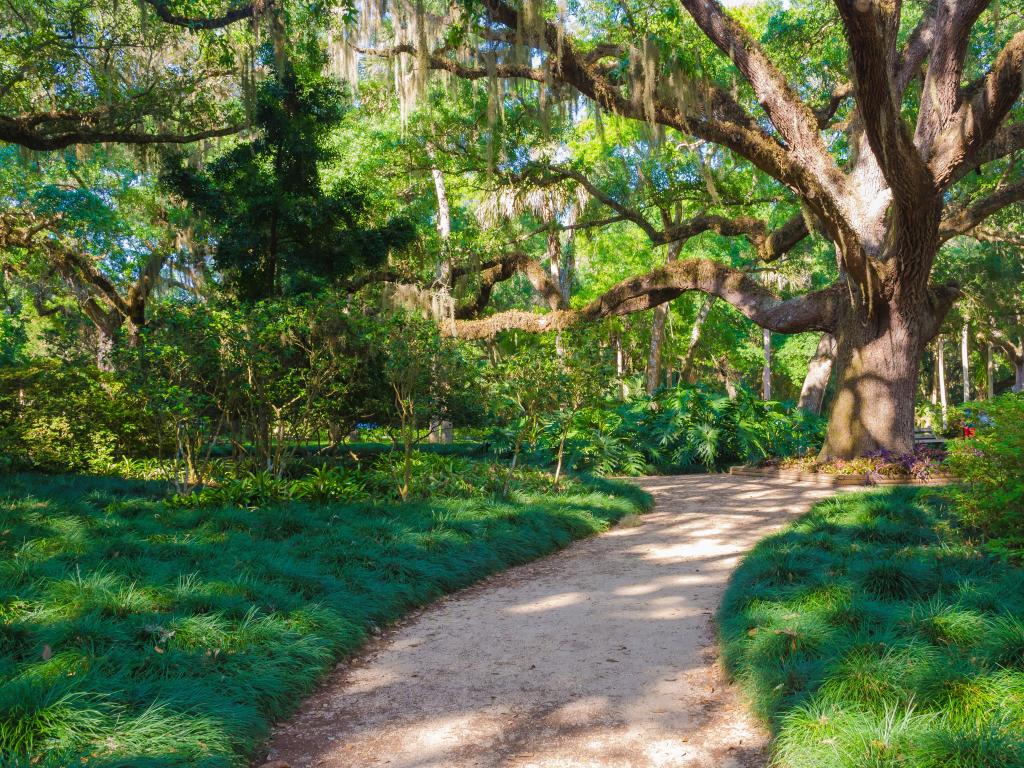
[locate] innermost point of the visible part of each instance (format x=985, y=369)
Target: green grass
x=870, y=634
x=135, y=634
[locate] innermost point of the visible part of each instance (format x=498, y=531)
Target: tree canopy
x=839, y=174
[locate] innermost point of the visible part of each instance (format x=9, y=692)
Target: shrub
x=687, y=428
x=921, y=463
x=433, y=476
x=60, y=416
x=991, y=468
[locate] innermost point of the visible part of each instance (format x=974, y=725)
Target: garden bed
x=923, y=466
x=831, y=480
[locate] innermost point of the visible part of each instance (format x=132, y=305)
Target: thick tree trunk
x=1018, y=375
x=819, y=371
x=654, y=353
x=877, y=365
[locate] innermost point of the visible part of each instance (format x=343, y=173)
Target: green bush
x=683, y=428
x=433, y=476
x=61, y=416
x=991, y=468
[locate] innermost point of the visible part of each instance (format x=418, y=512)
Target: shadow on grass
x=135, y=634
x=870, y=633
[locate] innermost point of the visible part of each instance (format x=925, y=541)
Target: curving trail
x=602, y=655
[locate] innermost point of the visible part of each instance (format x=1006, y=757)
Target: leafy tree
x=428, y=376
x=880, y=168
x=279, y=227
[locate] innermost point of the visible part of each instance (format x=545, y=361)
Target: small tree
x=524, y=389
x=579, y=385
x=427, y=375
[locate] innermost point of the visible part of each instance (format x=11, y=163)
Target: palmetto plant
x=683, y=428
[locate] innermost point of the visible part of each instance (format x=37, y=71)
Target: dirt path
x=601, y=655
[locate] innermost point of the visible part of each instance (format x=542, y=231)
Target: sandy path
x=601, y=655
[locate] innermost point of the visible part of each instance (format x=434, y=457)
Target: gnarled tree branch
x=813, y=311
x=247, y=11
x=962, y=220
x=47, y=131
x=977, y=121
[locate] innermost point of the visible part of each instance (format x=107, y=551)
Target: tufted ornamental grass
x=871, y=634
x=133, y=633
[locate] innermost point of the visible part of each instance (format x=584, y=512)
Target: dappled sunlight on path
x=601, y=655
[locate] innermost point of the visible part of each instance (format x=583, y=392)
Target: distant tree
x=279, y=227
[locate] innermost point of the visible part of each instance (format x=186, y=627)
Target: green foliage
x=687, y=428
x=991, y=468
x=275, y=219
x=64, y=416
x=137, y=633
x=870, y=633
x=432, y=475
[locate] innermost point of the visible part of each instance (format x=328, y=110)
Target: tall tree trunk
x=766, y=371
x=941, y=363
x=620, y=366
x=990, y=373
x=965, y=362
x=819, y=371
x=686, y=367
x=104, y=348
x=658, y=318
x=441, y=429
x=726, y=374
x=1018, y=375
x=653, y=373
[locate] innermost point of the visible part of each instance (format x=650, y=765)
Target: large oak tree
x=874, y=165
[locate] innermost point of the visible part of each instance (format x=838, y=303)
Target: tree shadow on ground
x=136, y=633
x=872, y=633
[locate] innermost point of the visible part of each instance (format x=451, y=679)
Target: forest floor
x=601, y=655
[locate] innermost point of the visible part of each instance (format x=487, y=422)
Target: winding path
x=602, y=655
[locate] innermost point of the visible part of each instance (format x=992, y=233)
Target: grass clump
x=870, y=633
x=138, y=633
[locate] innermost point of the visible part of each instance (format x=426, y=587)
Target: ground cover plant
x=923, y=463
x=134, y=632
x=873, y=632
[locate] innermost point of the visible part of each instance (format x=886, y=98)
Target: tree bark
x=965, y=362
x=940, y=362
x=620, y=366
x=660, y=314
x=1018, y=375
x=766, y=371
x=877, y=365
x=819, y=371
x=686, y=367
x=990, y=373
x=104, y=348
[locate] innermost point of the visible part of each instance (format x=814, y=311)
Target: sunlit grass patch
x=869, y=633
x=133, y=633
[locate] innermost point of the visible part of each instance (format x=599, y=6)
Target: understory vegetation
x=312, y=311
x=137, y=632
x=877, y=631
